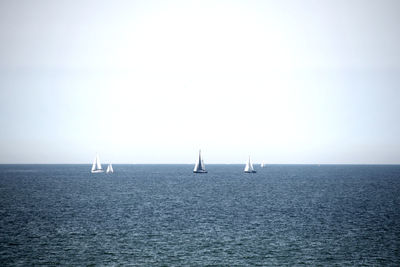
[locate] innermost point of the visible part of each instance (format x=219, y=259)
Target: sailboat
x=109, y=169
x=262, y=165
x=96, y=167
x=200, y=167
x=249, y=167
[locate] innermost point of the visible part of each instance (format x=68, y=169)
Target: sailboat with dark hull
x=249, y=167
x=200, y=167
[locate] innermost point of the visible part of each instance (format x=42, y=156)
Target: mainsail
x=200, y=167
x=96, y=166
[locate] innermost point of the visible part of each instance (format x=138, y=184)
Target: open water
x=152, y=215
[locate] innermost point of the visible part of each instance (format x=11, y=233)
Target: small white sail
x=262, y=165
x=199, y=166
x=249, y=167
x=109, y=169
x=96, y=166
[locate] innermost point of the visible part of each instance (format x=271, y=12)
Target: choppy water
x=166, y=215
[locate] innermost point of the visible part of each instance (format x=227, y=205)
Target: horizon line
x=257, y=163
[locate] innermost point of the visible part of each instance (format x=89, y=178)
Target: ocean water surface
x=150, y=215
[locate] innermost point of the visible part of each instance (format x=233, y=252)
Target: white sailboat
x=96, y=167
x=249, y=167
x=262, y=165
x=109, y=168
x=200, y=167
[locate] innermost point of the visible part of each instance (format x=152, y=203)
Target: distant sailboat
x=96, y=167
x=262, y=165
x=249, y=167
x=200, y=167
x=109, y=169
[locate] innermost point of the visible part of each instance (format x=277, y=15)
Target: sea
x=165, y=215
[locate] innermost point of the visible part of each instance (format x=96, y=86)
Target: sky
x=287, y=82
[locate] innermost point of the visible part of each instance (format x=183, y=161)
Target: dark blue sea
x=164, y=215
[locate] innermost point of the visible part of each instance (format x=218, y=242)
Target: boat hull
x=249, y=171
x=199, y=171
x=97, y=171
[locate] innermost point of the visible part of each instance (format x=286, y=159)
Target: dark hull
x=199, y=171
x=251, y=172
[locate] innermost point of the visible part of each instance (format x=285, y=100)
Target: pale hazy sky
x=154, y=81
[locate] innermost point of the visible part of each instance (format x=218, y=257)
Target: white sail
x=249, y=166
x=96, y=166
x=98, y=163
x=199, y=166
x=109, y=169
